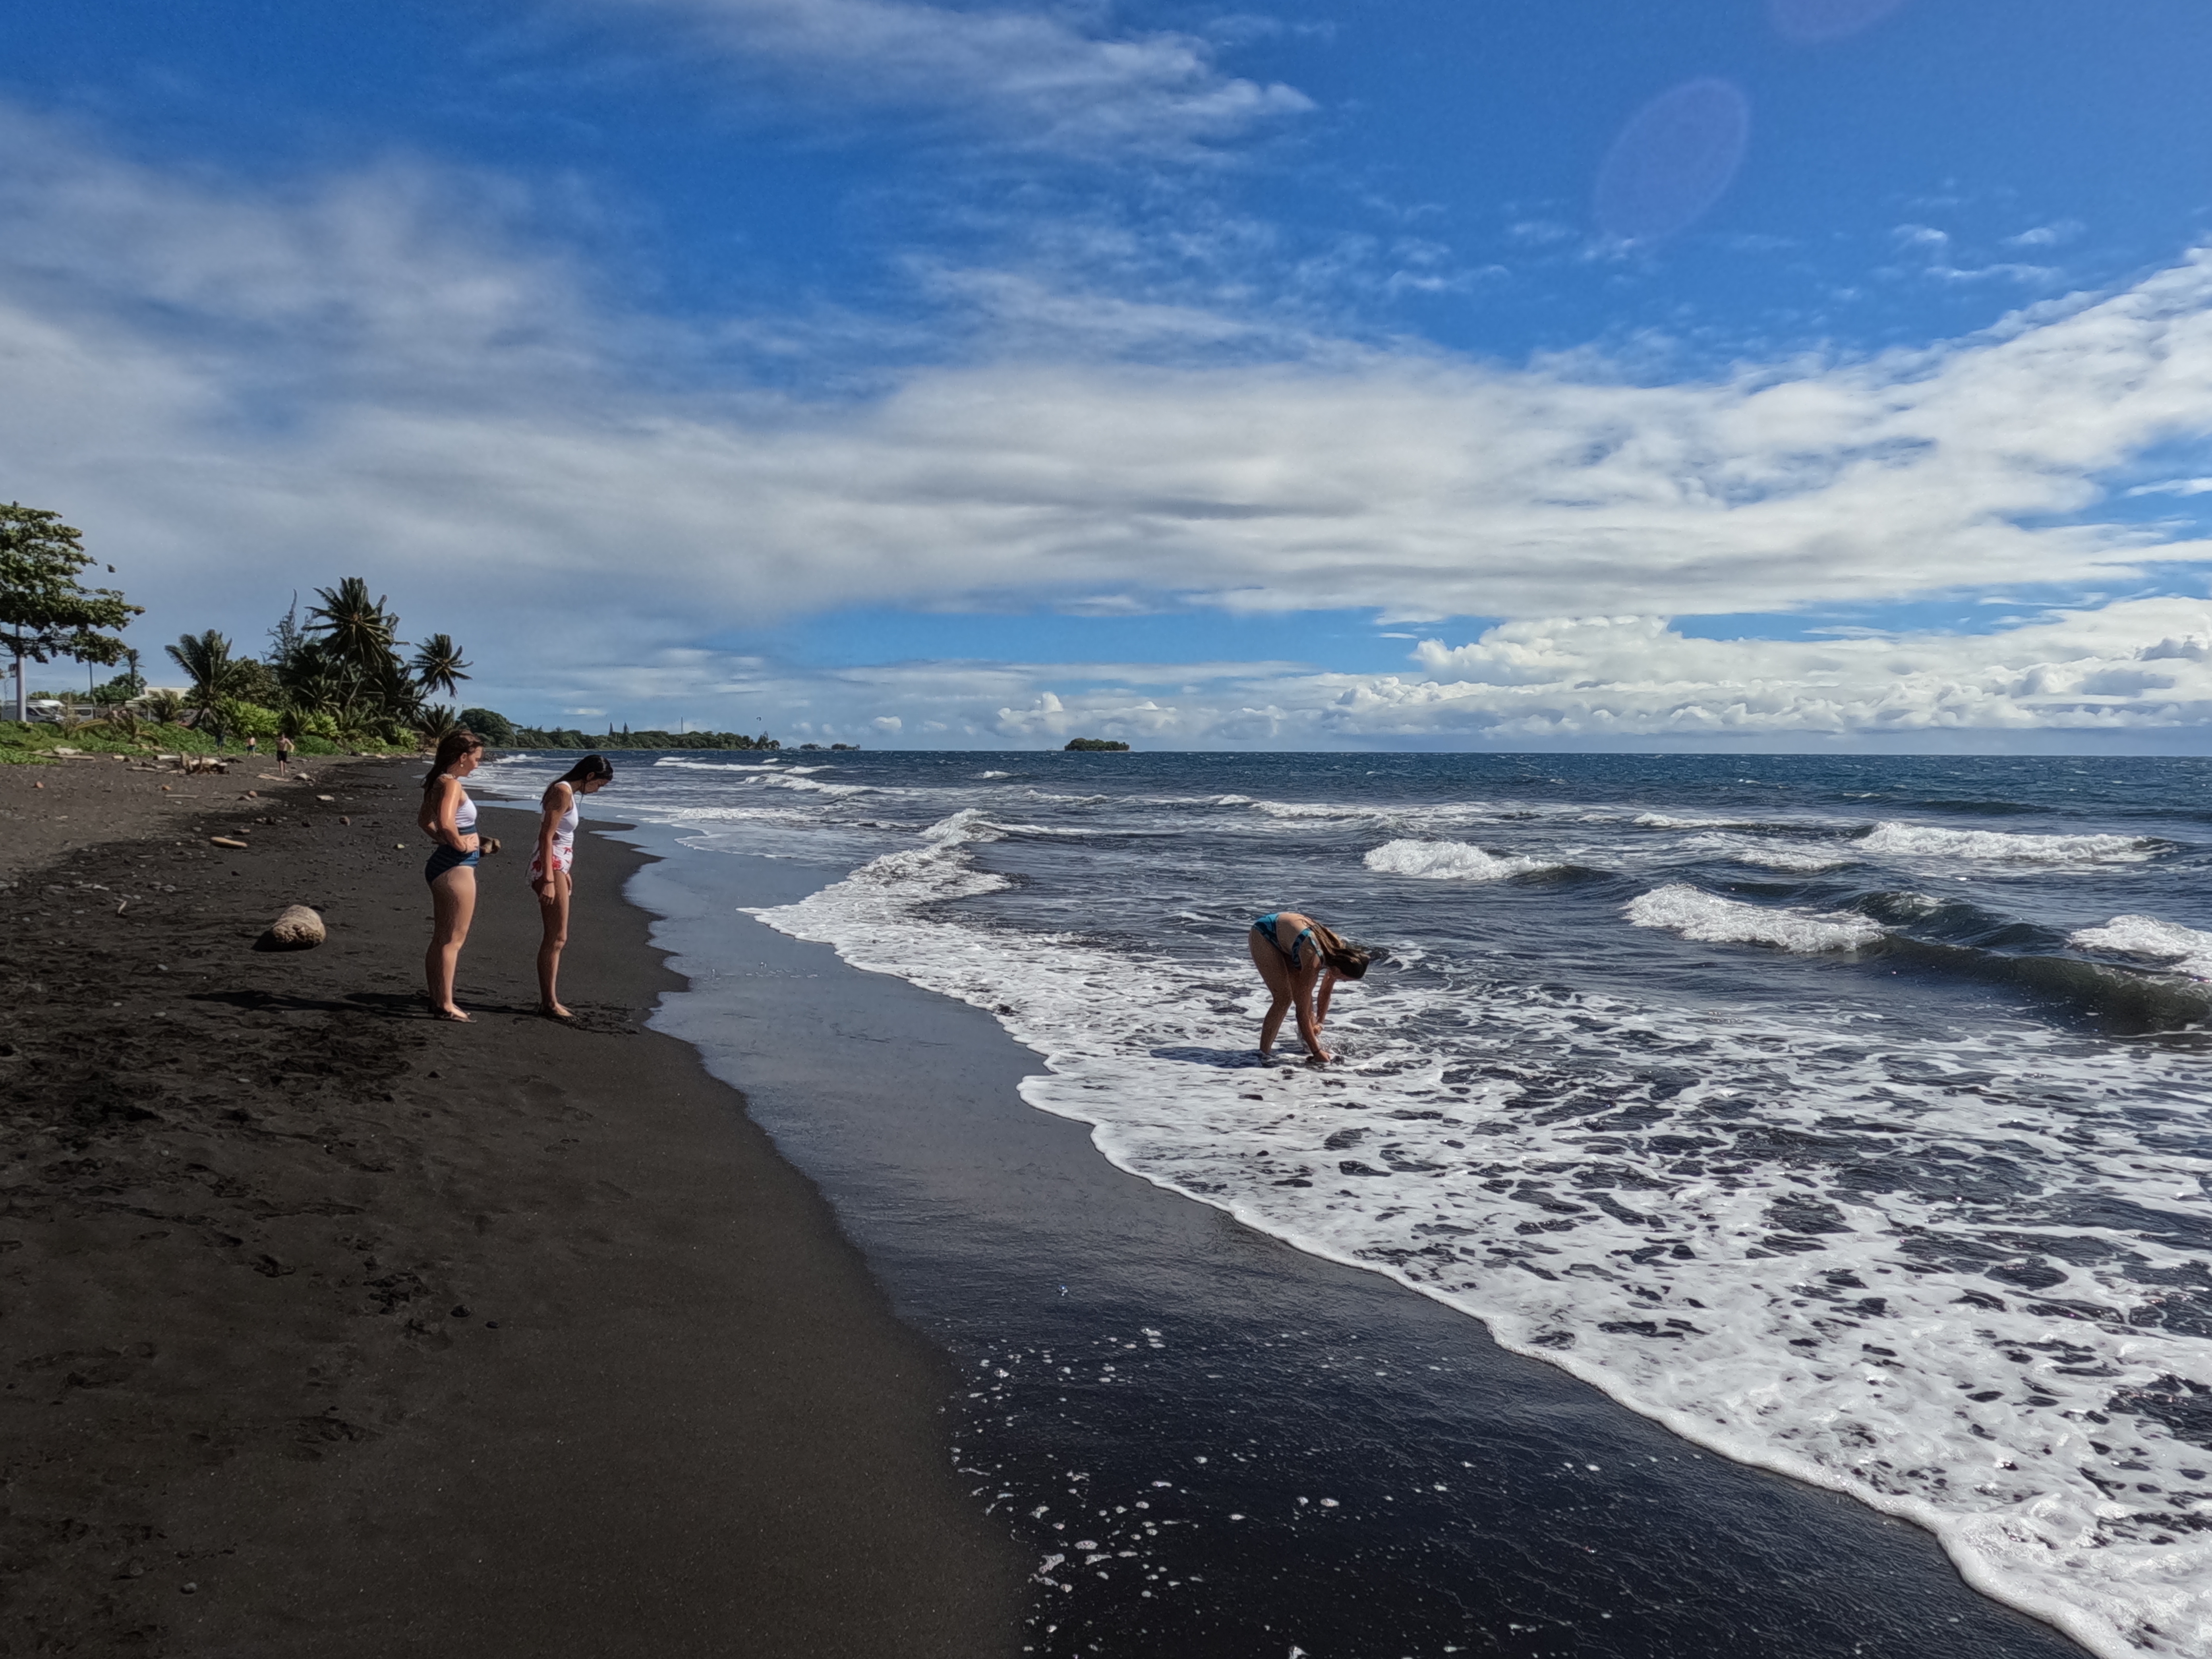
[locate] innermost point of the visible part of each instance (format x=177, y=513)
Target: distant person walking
x=252, y=746
x=1300, y=961
x=549, y=868
x=449, y=818
x=283, y=753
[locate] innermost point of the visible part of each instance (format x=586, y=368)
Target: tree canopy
x=47, y=611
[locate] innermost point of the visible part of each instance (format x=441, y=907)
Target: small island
x=1102, y=745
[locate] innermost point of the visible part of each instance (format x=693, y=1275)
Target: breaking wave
x=1679, y=907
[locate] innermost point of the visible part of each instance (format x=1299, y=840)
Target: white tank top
x=564, y=831
x=465, y=815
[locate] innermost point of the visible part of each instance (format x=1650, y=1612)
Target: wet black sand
x=328, y=1330
x=1478, y=1503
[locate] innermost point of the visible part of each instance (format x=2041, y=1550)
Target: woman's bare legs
x=553, y=908
x=1269, y=961
x=454, y=896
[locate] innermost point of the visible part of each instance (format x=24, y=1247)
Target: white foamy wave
x=792, y=780
x=994, y=774
x=1448, y=860
x=689, y=815
x=1679, y=907
x=1666, y=821
x=1799, y=857
x=878, y=899
x=2179, y=949
x=1305, y=809
x=1921, y=841
x=1622, y=1217
x=715, y=766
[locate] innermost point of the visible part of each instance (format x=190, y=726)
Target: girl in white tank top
x=550, y=869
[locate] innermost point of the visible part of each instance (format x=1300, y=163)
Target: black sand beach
x=328, y=1330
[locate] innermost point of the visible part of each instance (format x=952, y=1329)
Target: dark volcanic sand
x=328, y=1330
x=1183, y=1393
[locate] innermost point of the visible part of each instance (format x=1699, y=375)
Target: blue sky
x=1779, y=372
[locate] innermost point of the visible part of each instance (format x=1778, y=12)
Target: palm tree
x=311, y=678
x=165, y=706
x=356, y=629
x=439, y=665
x=395, y=696
x=207, y=662
x=435, y=722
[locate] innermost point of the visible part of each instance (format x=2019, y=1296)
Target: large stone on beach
x=296, y=928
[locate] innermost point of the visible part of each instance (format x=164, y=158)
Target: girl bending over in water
x=449, y=818
x=548, y=871
x=1302, y=961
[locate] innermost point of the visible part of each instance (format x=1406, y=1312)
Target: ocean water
x=1847, y=1117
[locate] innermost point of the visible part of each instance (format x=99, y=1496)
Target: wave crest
x=2179, y=949
x=1923, y=841
x=1448, y=860
x=1679, y=907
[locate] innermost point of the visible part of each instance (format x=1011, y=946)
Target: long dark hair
x=1349, y=960
x=591, y=766
x=455, y=744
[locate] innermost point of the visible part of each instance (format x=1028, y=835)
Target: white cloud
x=2175, y=487
x=1031, y=76
x=2139, y=665
x=2140, y=669
x=235, y=393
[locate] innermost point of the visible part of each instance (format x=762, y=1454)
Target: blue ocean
x=1846, y=1117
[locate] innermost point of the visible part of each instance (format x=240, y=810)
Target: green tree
x=288, y=636
x=356, y=629
x=439, y=665
x=395, y=697
x=436, y=722
x=494, y=727
x=47, y=611
x=216, y=677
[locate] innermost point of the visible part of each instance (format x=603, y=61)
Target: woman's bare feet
x=554, y=1011
x=452, y=1013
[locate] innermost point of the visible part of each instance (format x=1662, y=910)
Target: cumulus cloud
x=1031, y=76
x=236, y=391
x=2138, y=665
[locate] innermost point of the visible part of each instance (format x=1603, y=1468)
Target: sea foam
x=2179, y=949
x=1926, y=841
x=1448, y=860
x=1679, y=907
x=1798, y=857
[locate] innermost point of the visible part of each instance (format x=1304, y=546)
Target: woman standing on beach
x=548, y=870
x=449, y=818
x=1300, y=961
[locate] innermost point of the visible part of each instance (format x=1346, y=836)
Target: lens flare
x=1673, y=160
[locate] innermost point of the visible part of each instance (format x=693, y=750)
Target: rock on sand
x=296, y=928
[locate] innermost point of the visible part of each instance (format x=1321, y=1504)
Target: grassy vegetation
x=33, y=743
